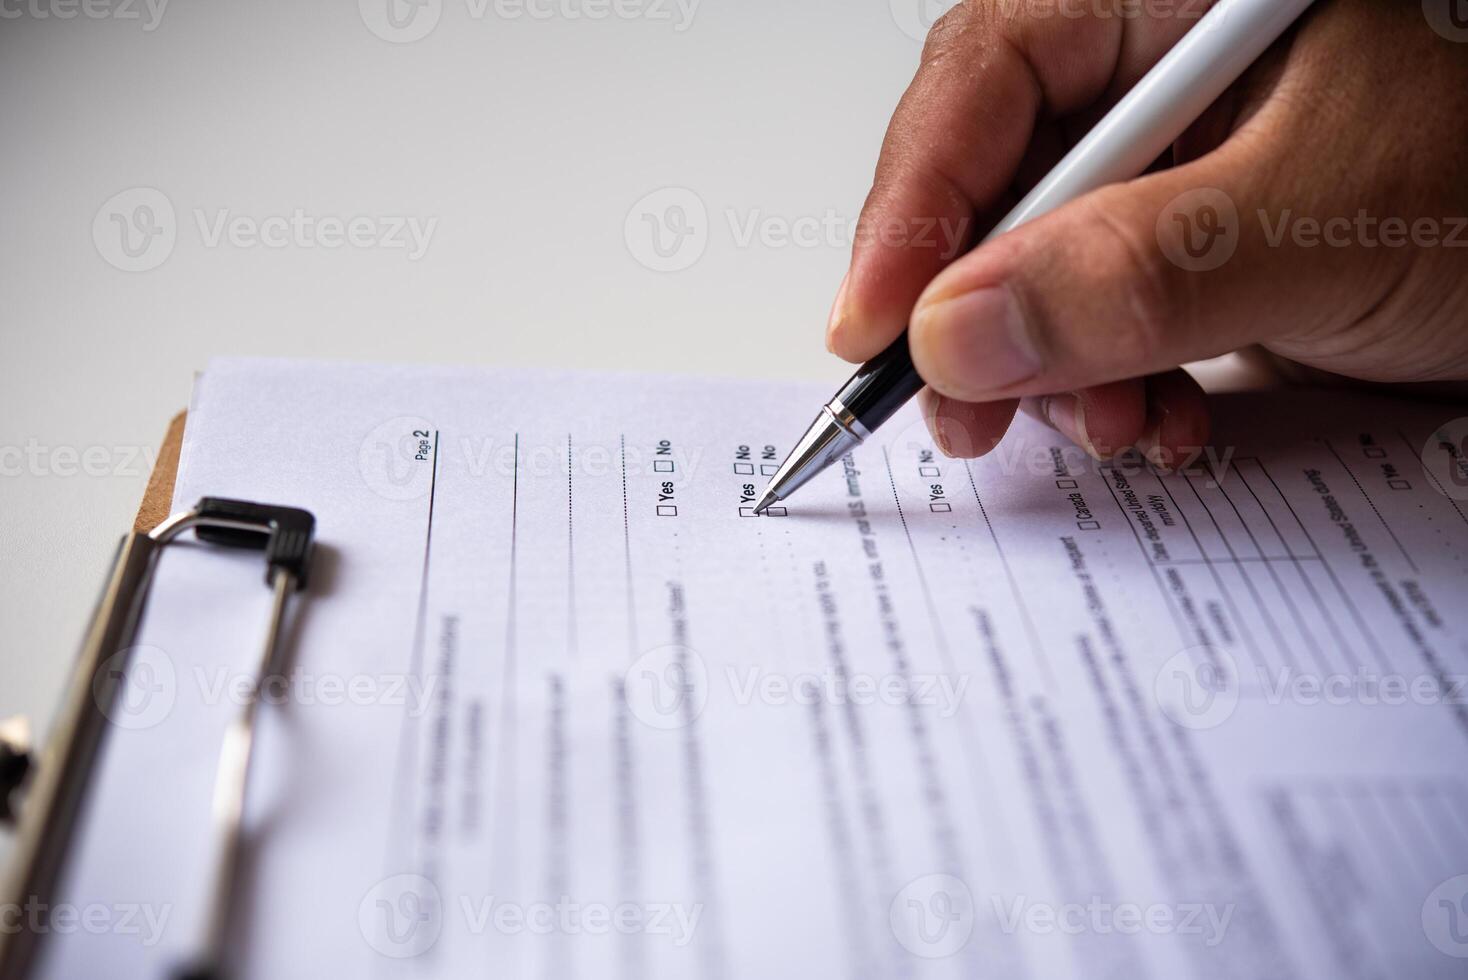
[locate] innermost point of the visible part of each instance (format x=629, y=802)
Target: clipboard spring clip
x=55, y=787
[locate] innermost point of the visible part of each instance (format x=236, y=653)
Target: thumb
x=1130, y=280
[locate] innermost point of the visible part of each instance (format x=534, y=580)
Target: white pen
x=1212, y=56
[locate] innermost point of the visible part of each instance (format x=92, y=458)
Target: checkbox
x=941, y=507
x=1066, y=484
x=1399, y=484
x=667, y=510
x=662, y=466
x=775, y=511
x=768, y=469
x=1375, y=452
x=1089, y=525
x=746, y=512
x=929, y=471
x=744, y=469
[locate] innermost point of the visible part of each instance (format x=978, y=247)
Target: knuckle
x=960, y=28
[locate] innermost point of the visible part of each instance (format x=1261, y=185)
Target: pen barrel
x=881, y=386
x=1213, y=55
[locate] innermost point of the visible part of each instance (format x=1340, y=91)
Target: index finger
x=991, y=70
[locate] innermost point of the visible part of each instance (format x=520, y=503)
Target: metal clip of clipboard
x=57, y=788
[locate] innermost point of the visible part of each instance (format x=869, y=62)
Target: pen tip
x=765, y=500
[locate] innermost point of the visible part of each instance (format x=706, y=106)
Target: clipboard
x=158, y=496
x=53, y=783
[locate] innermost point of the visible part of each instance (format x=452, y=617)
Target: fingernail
x=1150, y=446
x=983, y=342
x=838, y=314
x=941, y=435
x=1068, y=415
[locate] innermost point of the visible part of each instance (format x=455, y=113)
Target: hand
x=1317, y=210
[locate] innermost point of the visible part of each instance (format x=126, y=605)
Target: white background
x=529, y=139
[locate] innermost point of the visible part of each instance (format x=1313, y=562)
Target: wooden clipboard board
x=158, y=497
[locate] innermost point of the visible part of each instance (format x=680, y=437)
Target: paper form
x=560, y=707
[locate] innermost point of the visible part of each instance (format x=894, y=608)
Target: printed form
x=559, y=706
